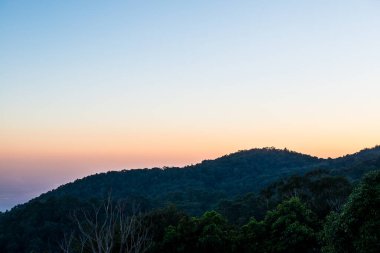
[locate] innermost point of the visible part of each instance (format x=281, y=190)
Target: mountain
x=200, y=187
x=241, y=185
x=357, y=164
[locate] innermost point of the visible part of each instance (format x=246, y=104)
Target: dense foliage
x=307, y=206
x=357, y=227
x=195, y=188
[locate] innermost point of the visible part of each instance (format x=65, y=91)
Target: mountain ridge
x=239, y=186
x=193, y=187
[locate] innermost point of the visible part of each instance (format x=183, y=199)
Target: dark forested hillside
x=355, y=165
x=238, y=187
x=199, y=187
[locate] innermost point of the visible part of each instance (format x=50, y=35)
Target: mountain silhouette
x=199, y=187
x=241, y=185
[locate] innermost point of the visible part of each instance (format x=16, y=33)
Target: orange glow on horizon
x=94, y=150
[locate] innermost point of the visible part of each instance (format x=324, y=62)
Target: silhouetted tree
x=292, y=228
x=356, y=228
x=108, y=228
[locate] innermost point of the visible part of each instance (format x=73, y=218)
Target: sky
x=92, y=86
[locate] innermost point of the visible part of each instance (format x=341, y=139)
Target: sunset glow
x=88, y=88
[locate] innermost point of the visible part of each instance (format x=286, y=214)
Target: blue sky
x=96, y=85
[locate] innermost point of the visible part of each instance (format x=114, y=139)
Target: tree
x=292, y=227
x=208, y=233
x=356, y=228
x=214, y=233
x=252, y=237
x=108, y=228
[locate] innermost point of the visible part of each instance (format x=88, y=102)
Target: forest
x=259, y=200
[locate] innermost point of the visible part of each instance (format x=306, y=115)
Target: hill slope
x=200, y=187
x=241, y=185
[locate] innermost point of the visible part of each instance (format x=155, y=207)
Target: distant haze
x=90, y=86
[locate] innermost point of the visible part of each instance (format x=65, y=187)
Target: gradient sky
x=90, y=86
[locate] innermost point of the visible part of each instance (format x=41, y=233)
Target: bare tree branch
x=108, y=225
